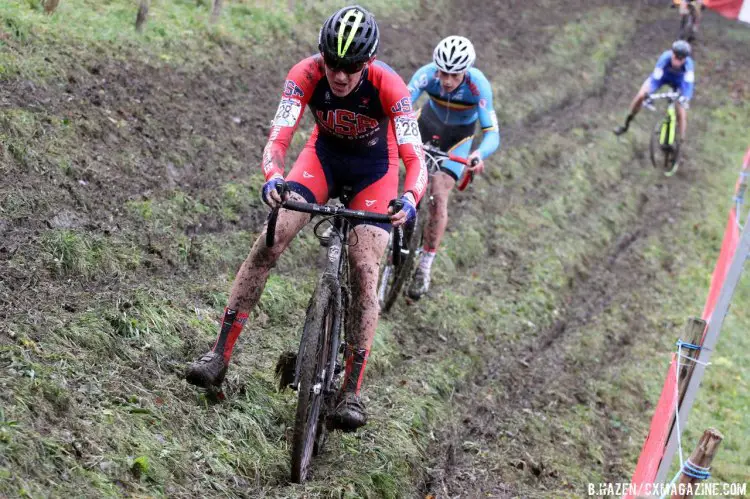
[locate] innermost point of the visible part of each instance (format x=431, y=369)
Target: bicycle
x=665, y=138
x=315, y=371
x=400, y=258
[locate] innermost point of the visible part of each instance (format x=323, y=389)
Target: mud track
x=533, y=376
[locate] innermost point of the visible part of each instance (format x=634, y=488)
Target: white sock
x=425, y=262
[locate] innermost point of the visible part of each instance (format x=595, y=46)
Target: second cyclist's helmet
x=454, y=54
x=681, y=49
x=349, y=36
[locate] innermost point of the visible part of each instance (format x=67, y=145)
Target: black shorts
x=447, y=136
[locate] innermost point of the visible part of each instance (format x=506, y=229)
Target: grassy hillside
x=565, y=277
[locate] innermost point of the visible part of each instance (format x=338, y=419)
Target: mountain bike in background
x=664, y=146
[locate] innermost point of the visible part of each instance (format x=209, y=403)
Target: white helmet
x=454, y=54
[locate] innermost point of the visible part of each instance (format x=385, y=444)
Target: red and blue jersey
x=375, y=123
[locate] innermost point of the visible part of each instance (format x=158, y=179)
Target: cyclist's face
x=449, y=82
x=342, y=82
x=676, y=62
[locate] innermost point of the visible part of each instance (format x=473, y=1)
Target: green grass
x=724, y=396
x=71, y=253
x=536, y=85
x=176, y=32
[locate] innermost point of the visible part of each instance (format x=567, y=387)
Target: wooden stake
x=216, y=11
x=140, y=18
x=50, y=6
x=693, y=334
x=701, y=457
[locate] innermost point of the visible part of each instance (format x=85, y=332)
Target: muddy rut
x=533, y=376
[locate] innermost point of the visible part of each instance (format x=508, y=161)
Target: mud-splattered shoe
x=207, y=371
x=420, y=284
x=349, y=414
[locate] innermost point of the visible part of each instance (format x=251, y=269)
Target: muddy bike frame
x=319, y=360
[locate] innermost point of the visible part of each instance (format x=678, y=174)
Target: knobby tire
x=313, y=358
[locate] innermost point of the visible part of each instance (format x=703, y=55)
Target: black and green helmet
x=350, y=36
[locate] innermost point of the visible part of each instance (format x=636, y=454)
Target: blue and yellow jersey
x=471, y=101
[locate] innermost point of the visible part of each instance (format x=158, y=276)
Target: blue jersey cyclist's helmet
x=454, y=54
x=349, y=37
x=681, y=49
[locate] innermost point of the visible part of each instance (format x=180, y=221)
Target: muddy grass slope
x=134, y=198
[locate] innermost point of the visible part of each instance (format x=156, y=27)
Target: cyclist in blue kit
x=459, y=96
x=674, y=68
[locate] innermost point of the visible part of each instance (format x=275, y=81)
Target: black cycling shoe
x=349, y=414
x=620, y=130
x=207, y=371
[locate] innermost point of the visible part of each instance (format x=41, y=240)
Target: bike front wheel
x=393, y=277
x=664, y=156
x=313, y=360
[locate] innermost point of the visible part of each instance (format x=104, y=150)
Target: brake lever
x=283, y=190
x=398, y=232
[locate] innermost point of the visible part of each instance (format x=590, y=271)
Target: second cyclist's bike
x=688, y=22
x=404, y=251
x=664, y=146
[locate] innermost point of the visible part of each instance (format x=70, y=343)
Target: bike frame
x=668, y=126
x=664, y=136
x=325, y=322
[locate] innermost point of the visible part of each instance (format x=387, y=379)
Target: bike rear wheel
x=313, y=359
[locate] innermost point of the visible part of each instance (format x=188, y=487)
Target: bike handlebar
x=669, y=96
x=326, y=210
x=665, y=95
x=448, y=155
x=468, y=176
x=335, y=211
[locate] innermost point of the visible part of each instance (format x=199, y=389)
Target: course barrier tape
x=666, y=408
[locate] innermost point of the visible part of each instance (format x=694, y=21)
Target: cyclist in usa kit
x=459, y=96
x=364, y=123
x=674, y=68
